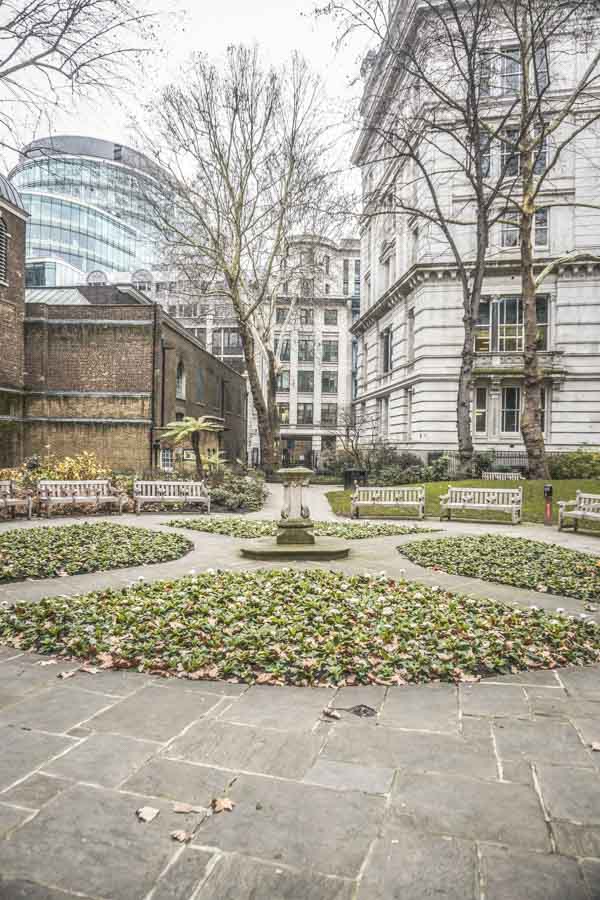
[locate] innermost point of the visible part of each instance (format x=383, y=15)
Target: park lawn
x=533, y=500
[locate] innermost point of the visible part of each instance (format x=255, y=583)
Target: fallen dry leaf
x=106, y=660
x=186, y=808
x=91, y=670
x=184, y=837
x=66, y=674
x=222, y=804
x=331, y=713
x=48, y=662
x=596, y=746
x=147, y=813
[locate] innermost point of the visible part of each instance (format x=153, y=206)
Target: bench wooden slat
x=411, y=496
x=463, y=498
x=193, y=492
x=97, y=490
x=585, y=506
x=9, y=502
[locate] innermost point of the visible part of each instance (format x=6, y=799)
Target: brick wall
x=122, y=447
x=12, y=301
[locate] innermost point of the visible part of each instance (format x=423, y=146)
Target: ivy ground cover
x=73, y=549
x=512, y=560
x=300, y=627
x=239, y=527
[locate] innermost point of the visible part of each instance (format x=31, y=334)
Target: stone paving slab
x=511, y=875
x=408, y=708
x=179, y=781
x=11, y=817
x=90, y=840
x=234, y=877
x=23, y=751
x=418, y=866
x=349, y=777
x=243, y=747
x=182, y=878
x=572, y=794
x=543, y=740
x=291, y=708
x=104, y=759
x=296, y=824
x=36, y=790
x=55, y=710
x=494, y=700
x=478, y=810
x=152, y=714
x=412, y=750
x=22, y=889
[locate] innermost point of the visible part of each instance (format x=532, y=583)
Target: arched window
x=180, y=381
x=3, y=252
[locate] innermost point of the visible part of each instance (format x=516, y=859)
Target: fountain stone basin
x=295, y=537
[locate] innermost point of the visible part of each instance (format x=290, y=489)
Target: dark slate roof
x=10, y=193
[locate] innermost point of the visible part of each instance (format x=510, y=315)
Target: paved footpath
x=487, y=791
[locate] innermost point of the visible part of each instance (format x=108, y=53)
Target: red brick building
x=100, y=368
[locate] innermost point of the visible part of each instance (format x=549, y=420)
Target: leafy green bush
x=301, y=627
x=81, y=467
x=393, y=475
x=239, y=491
x=238, y=526
x=72, y=549
x=578, y=464
x=548, y=568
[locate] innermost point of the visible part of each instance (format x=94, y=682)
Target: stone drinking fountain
x=295, y=538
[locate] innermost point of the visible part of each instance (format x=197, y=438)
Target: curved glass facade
x=92, y=211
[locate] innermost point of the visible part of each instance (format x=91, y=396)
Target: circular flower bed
x=511, y=560
x=300, y=627
x=72, y=549
x=239, y=527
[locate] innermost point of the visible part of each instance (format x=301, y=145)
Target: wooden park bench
x=11, y=503
x=98, y=492
x=585, y=506
x=462, y=498
x=411, y=496
x=192, y=492
x=502, y=476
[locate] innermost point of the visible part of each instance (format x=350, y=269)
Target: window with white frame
x=481, y=410
x=329, y=415
x=330, y=316
x=329, y=381
x=283, y=380
x=510, y=70
x=383, y=411
x=541, y=228
x=511, y=410
x=306, y=315
x=330, y=351
x=510, y=231
x=500, y=325
x=166, y=459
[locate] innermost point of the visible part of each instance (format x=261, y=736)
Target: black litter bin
x=351, y=476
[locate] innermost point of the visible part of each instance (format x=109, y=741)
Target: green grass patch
x=533, y=500
x=240, y=527
x=300, y=627
x=542, y=567
x=73, y=549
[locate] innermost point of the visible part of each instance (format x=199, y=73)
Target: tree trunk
x=531, y=426
x=264, y=417
x=463, y=400
x=196, y=449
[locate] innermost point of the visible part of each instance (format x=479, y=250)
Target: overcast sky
x=184, y=26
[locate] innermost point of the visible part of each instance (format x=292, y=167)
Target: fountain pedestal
x=295, y=538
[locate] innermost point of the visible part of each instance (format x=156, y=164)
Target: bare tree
x=464, y=136
x=48, y=47
x=245, y=150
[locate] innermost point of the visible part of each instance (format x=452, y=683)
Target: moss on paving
x=73, y=549
x=300, y=627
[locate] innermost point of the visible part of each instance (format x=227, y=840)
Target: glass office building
x=90, y=203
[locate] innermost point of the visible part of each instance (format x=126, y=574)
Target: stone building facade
x=313, y=316
x=410, y=331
